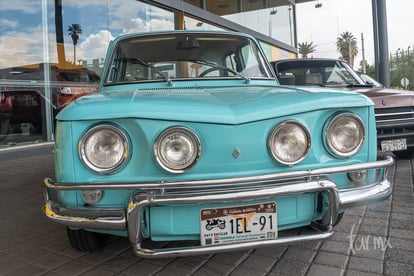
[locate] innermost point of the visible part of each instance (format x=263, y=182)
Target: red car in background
x=26, y=96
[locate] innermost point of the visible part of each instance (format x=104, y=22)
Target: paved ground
x=375, y=240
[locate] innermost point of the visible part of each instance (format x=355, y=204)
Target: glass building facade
x=52, y=51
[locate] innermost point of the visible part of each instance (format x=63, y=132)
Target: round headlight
x=104, y=148
x=289, y=142
x=177, y=149
x=345, y=134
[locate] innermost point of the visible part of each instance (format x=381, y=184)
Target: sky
x=323, y=25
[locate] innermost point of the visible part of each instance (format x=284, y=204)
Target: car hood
x=230, y=105
x=387, y=97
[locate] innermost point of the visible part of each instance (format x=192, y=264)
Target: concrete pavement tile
x=402, y=224
x=97, y=257
x=74, y=267
x=52, y=261
x=119, y=263
x=356, y=211
x=348, y=225
x=403, y=210
x=392, y=268
x=242, y=271
x=28, y=269
x=10, y=264
x=290, y=267
x=311, y=245
x=98, y=271
x=365, y=264
x=258, y=263
x=373, y=230
x=331, y=259
x=403, y=201
x=402, y=216
x=401, y=233
x=214, y=269
x=32, y=254
x=384, y=206
x=318, y=270
x=300, y=254
x=172, y=271
x=341, y=247
x=341, y=236
x=381, y=222
x=405, y=244
x=142, y=268
x=274, y=252
x=231, y=258
x=399, y=255
x=351, y=272
x=376, y=215
x=189, y=264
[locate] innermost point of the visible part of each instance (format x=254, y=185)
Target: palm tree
x=74, y=31
x=346, y=44
x=306, y=48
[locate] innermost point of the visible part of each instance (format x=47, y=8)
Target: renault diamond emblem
x=236, y=153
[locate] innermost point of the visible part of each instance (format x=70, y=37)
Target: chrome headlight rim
x=328, y=138
x=126, y=144
x=164, y=163
x=273, y=134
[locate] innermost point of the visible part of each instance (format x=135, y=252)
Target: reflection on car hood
x=387, y=97
x=234, y=105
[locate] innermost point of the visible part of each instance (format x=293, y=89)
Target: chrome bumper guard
x=230, y=190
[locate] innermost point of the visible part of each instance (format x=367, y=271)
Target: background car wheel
x=4, y=128
x=84, y=241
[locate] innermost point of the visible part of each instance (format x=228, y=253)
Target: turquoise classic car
x=192, y=147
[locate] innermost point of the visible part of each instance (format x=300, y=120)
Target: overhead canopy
x=223, y=7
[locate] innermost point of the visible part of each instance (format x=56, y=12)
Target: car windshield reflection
x=195, y=56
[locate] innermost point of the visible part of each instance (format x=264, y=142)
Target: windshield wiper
x=348, y=85
x=220, y=67
x=141, y=62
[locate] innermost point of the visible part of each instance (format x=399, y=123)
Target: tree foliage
x=401, y=66
x=74, y=31
x=306, y=48
x=346, y=45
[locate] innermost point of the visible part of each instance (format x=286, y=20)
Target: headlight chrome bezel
x=273, y=135
x=190, y=136
x=86, y=158
x=329, y=137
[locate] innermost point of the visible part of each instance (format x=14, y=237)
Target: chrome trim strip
x=137, y=205
x=88, y=218
x=197, y=250
x=224, y=182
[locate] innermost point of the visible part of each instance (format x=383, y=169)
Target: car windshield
x=169, y=57
x=318, y=72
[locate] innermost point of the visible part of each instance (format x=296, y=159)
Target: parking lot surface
x=373, y=240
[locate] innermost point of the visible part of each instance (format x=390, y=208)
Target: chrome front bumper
x=240, y=189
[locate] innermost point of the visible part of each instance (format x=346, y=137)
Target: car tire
x=85, y=241
x=4, y=128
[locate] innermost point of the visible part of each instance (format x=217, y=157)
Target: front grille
x=392, y=122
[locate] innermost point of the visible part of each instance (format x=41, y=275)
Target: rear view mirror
x=188, y=43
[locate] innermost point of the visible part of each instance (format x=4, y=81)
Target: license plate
x=393, y=145
x=238, y=224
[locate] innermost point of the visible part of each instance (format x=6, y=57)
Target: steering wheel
x=212, y=69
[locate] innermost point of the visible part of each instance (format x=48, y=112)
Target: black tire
x=84, y=241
